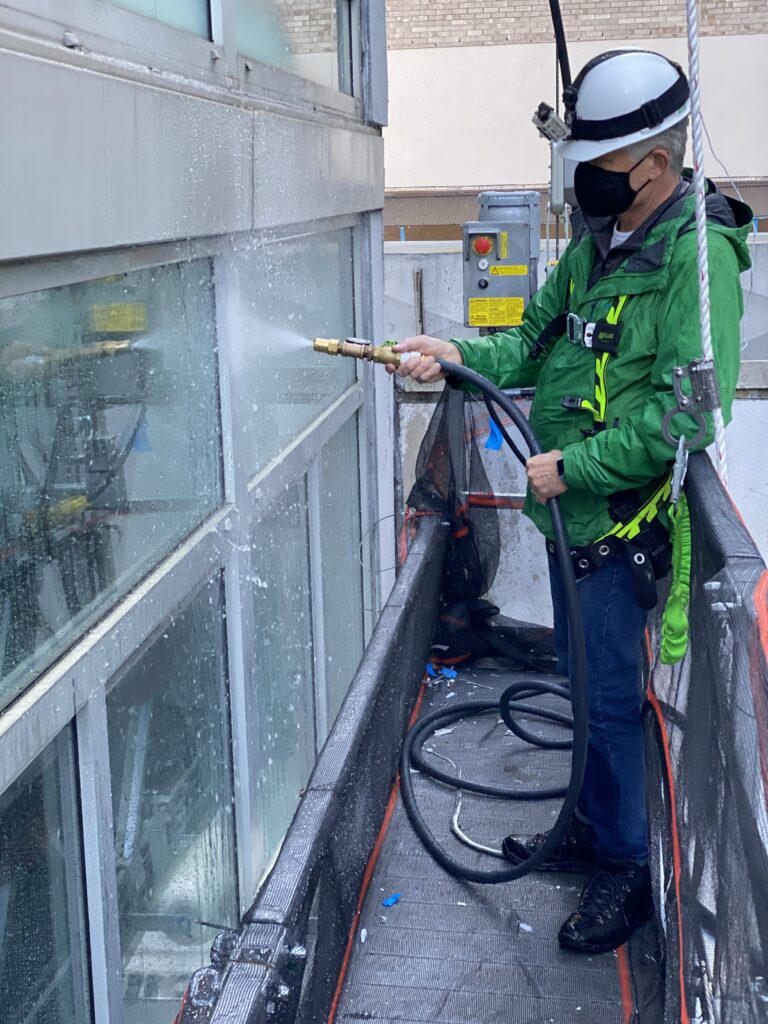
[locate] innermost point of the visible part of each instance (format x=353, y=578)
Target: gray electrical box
x=501, y=258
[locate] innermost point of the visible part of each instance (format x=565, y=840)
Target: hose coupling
x=358, y=348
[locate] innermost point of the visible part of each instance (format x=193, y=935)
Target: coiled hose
x=512, y=698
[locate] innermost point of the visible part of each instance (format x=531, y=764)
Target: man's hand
x=543, y=477
x=425, y=368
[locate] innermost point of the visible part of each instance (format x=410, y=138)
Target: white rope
x=692, y=11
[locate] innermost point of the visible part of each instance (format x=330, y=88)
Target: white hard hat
x=622, y=97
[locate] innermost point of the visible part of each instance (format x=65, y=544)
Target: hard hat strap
x=649, y=115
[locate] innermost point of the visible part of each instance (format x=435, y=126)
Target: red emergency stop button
x=482, y=245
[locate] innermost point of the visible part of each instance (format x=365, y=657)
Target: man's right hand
x=425, y=369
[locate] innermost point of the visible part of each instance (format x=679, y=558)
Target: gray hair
x=673, y=140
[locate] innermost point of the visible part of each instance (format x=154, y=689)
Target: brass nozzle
x=358, y=349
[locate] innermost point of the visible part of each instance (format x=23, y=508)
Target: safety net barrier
x=707, y=734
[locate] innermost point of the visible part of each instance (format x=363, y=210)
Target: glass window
x=109, y=449
x=291, y=292
x=172, y=798
x=307, y=37
x=342, y=580
x=282, y=669
x=43, y=977
x=191, y=15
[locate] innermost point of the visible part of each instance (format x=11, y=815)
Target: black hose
x=560, y=43
x=511, y=700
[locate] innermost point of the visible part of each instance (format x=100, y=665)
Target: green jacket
x=657, y=269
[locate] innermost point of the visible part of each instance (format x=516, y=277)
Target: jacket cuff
x=574, y=456
x=465, y=347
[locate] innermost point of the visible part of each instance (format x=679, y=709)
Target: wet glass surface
x=109, y=450
x=191, y=15
x=291, y=291
x=43, y=977
x=301, y=36
x=172, y=797
x=341, y=567
x=283, y=667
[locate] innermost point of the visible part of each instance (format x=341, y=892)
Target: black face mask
x=602, y=193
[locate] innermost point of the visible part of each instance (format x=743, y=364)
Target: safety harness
x=637, y=530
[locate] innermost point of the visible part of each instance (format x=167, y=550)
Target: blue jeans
x=613, y=795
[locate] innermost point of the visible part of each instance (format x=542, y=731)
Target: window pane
x=191, y=15
x=282, y=671
x=342, y=580
x=109, y=449
x=306, y=37
x=172, y=798
x=42, y=928
x=291, y=292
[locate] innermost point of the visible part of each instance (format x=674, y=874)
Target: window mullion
x=100, y=861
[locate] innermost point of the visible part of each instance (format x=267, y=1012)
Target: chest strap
x=602, y=337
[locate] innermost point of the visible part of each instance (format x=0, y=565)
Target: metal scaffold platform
x=453, y=952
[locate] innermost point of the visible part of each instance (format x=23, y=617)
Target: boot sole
x=573, y=867
x=595, y=948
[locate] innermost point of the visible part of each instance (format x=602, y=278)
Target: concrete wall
x=471, y=124
x=522, y=554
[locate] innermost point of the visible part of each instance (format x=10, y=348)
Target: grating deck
x=458, y=953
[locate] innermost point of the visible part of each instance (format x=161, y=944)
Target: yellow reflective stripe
x=585, y=404
x=647, y=512
x=616, y=309
x=571, y=286
x=601, y=395
x=601, y=362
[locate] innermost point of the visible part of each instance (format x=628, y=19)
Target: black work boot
x=613, y=904
x=576, y=851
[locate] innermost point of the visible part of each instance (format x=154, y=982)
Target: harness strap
x=554, y=329
x=638, y=534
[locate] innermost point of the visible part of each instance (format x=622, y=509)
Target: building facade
x=190, y=569
x=481, y=71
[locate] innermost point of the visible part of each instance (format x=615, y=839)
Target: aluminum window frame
x=72, y=691
x=105, y=34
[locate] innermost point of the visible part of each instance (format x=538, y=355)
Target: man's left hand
x=543, y=477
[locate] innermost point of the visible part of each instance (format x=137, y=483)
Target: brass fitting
x=357, y=348
x=93, y=350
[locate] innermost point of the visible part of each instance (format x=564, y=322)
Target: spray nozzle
x=358, y=348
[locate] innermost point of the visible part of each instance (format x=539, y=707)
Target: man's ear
x=660, y=163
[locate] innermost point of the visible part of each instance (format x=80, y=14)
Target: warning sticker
x=518, y=270
x=503, y=244
x=107, y=318
x=495, y=312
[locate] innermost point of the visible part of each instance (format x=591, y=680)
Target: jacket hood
x=728, y=216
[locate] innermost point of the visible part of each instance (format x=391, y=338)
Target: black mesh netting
x=448, y=466
x=708, y=754
x=451, y=481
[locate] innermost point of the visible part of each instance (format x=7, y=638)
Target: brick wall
x=431, y=23
x=309, y=25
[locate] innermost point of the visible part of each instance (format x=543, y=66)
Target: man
x=603, y=382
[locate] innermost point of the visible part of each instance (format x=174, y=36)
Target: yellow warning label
x=495, y=312
x=518, y=270
x=503, y=244
x=109, y=317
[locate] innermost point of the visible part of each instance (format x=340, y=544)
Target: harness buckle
x=679, y=470
x=704, y=397
x=571, y=402
x=574, y=328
